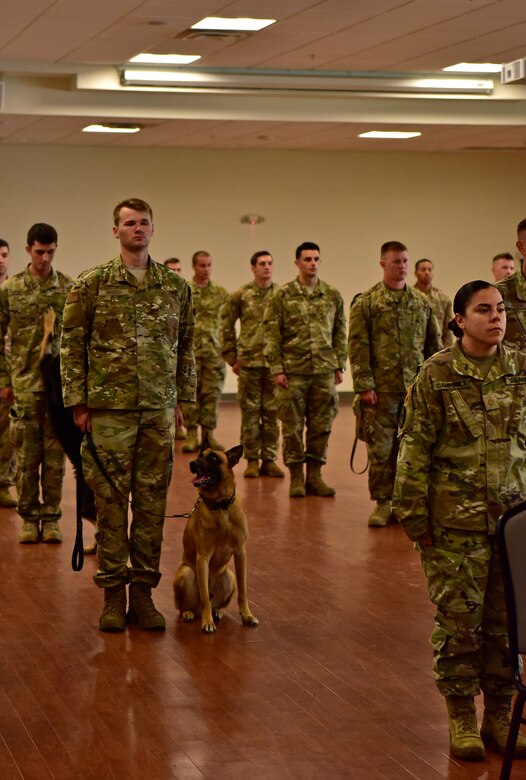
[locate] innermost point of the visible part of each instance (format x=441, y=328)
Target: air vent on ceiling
x=195, y=35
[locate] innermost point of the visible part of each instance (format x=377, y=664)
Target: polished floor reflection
x=334, y=683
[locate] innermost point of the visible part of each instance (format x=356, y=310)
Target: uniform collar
x=505, y=363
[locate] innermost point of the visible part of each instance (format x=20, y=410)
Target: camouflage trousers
x=136, y=449
x=470, y=640
x=309, y=401
x=40, y=459
x=210, y=380
x=7, y=452
x=380, y=427
x=257, y=397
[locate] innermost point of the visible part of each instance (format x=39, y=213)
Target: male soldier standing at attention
x=502, y=265
x=513, y=291
x=392, y=330
x=24, y=298
x=209, y=299
x=257, y=393
x=7, y=454
x=127, y=361
x=305, y=350
x=440, y=303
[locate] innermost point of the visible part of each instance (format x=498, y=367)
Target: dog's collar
x=225, y=504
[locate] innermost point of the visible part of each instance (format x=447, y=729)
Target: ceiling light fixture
x=221, y=23
x=474, y=67
x=389, y=134
x=111, y=129
x=165, y=59
x=455, y=85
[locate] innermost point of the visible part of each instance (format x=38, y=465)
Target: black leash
x=77, y=559
x=111, y=483
x=353, y=454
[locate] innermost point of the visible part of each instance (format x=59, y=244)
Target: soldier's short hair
x=503, y=256
x=3, y=242
x=461, y=300
x=196, y=255
x=171, y=260
x=255, y=257
x=521, y=226
x=392, y=246
x=307, y=245
x=43, y=233
x=423, y=260
x=137, y=204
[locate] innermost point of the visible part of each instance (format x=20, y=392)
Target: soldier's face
x=309, y=265
x=5, y=257
x=424, y=273
x=41, y=258
x=135, y=229
x=263, y=269
x=175, y=267
x=395, y=265
x=503, y=268
x=203, y=269
x=483, y=322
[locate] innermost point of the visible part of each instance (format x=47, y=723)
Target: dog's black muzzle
x=207, y=470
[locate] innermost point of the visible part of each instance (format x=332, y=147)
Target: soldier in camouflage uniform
x=392, y=329
x=24, y=298
x=502, y=266
x=127, y=361
x=7, y=452
x=209, y=299
x=513, y=291
x=462, y=462
x=440, y=303
x=257, y=393
x=304, y=327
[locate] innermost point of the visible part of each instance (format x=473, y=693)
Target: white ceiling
x=59, y=60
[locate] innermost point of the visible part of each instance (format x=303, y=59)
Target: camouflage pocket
x=92, y=473
x=360, y=418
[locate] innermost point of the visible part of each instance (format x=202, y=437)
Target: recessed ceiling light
x=165, y=59
x=220, y=23
x=474, y=67
x=111, y=129
x=388, y=134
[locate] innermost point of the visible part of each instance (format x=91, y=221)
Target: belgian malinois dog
x=216, y=530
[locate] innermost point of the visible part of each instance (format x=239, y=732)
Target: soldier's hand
x=235, y=368
x=281, y=380
x=82, y=418
x=179, y=419
x=368, y=397
x=49, y=320
x=6, y=394
x=338, y=377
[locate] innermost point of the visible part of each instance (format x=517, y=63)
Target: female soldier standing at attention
x=461, y=463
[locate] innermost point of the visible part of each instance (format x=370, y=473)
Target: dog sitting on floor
x=216, y=530
x=61, y=418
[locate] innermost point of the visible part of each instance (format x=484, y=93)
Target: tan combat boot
x=315, y=486
x=496, y=724
x=269, y=468
x=51, y=533
x=381, y=515
x=7, y=501
x=212, y=441
x=192, y=442
x=464, y=737
x=29, y=533
x=142, y=609
x=297, y=481
x=252, y=469
x=113, y=616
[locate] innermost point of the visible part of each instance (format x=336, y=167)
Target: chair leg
x=516, y=719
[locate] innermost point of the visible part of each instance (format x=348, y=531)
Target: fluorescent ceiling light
x=220, y=23
x=165, y=59
x=474, y=67
x=132, y=76
x=111, y=129
x=455, y=85
x=388, y=134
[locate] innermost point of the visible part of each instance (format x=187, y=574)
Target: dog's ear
x=234, y=455
x=204, y=443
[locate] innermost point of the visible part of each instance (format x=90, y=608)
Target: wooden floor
x=334, y=683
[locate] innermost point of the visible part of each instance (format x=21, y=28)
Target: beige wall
x=457, y=209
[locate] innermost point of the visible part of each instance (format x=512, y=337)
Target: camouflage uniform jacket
x=390, y=338
x=513, y=291
x=305, y=331
x=443, y=311
x=462, y=457
x=208, y=305
x=128, y=344
x=23, y=301
x=248, y=306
